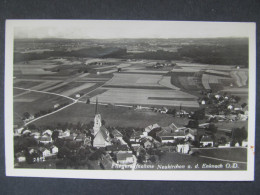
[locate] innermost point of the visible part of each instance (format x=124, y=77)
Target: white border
x=247, y=29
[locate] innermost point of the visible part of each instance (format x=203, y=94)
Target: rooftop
x=123, y=156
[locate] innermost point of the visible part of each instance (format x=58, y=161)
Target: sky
x=112, y=29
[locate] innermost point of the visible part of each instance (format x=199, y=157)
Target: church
x=100, y=133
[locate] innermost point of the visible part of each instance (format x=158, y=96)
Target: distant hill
x=222, y=51
x=95, y=52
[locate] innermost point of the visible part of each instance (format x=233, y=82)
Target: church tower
x=97, y=120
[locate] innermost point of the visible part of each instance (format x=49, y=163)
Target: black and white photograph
x=143, y=100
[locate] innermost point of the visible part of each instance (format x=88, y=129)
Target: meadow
x=114, y=116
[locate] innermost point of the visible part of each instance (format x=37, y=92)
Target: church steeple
x=96, y=109
x=97, y=120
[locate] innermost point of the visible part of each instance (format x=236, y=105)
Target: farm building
x=151, y=127
x=183, y=148
x=206, y=141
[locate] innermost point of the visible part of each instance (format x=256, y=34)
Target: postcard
x=131, y=100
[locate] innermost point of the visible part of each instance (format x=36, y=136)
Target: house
x=80, y=137
x=20, y=157
x=242, y=117
x=183, y=148
x=47, y=132
x=32, y=150
x=45, y=139
x=26, y=132
x=136, y=136
x=54, y=150
x=232, y=117
x=102, y=138
x=116, y=134
x=148, y=144
x=170, y=133
x=166, y=131
x=134, y=144
x=226, y=145
x=245, y=143
x=36, y=135
x=164, y=110
x=64, y=134
x=151, y=127
x=237, y=145
x=207, y=141
x=125, y=158
x=217, y=96
x=166, y=139
x=230, y=107
x=87, y=141
x=45, y=152
x=189, y=136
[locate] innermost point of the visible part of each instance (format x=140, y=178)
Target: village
x=98, y=147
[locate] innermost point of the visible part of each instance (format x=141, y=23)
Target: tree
x=199, y=114
x=212, y=128
x=239, y=134
x=26, y=115
x=193, y=124
x=55, y=135
x=59, y=143
x=64, y=152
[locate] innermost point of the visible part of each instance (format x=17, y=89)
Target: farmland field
x=234, y=154
x=26, y=84
x=141, y=97
x=113, y=116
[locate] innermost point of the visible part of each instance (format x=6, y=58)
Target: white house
x=227, y=145
x=48, y=132
x=21, y=159
x=136, y=136
x=207, y=141
x=54, y=150
x=189, y=136
x=134, y=144
x=237, y=145
x=26, y=132
x=183, y=148
x=230, y=107
x=217, y=96
x=244, y=143
x=46, y=153
x=36, y=135
x=64, y=134
x=45, y=139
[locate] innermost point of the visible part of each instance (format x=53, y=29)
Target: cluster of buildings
x=161, y=65
x=223, y=107
x=112, y=148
